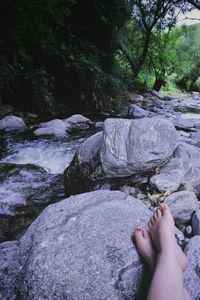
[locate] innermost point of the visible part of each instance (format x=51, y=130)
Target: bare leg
x=147, y=249
x=167, y=281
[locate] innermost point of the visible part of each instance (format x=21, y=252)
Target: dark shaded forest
x=84, y=56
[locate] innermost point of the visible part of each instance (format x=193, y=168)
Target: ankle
x=168, y=257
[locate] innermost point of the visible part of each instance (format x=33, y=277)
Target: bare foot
x=145, y=246
x=162, y=229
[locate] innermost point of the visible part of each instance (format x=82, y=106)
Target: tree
x=188, y=70
x=152, y=16
x=162, y=56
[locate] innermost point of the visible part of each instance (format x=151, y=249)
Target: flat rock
x=187, y=122
x=182, y=204
x=74, y=119
x=52, y=131
x=166, y=182
x=170, y=176
x=56, y=124
x=81, y=248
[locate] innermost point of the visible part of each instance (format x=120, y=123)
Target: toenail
x=138, y=228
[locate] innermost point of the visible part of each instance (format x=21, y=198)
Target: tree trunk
x=159, y=82
x=142, y=57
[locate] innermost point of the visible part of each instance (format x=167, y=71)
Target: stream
x=31, y=169
x=31, y=177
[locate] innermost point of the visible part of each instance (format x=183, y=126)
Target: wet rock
x=9, y=269
x=74, y=119
x=192, y=274
x=51, y=131
x=88, y=235
x=55, y=125
x=24, y=191
x=85, y=169
x=196, y=223
x=12, y=123
x=182, y=204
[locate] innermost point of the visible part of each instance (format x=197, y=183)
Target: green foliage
x=84, y=54
x=57, y=51
x=188, y=70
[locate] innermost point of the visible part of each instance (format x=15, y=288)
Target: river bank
x=146, y=154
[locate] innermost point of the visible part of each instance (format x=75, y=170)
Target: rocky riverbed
x=113, y=173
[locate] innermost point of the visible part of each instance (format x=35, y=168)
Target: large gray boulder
x=125, y=148
x=192, y=274
x=133, y=146
x=81, y=248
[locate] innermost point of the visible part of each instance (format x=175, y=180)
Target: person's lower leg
x=167, y=281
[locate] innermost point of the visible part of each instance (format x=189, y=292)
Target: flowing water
x=31, y=177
